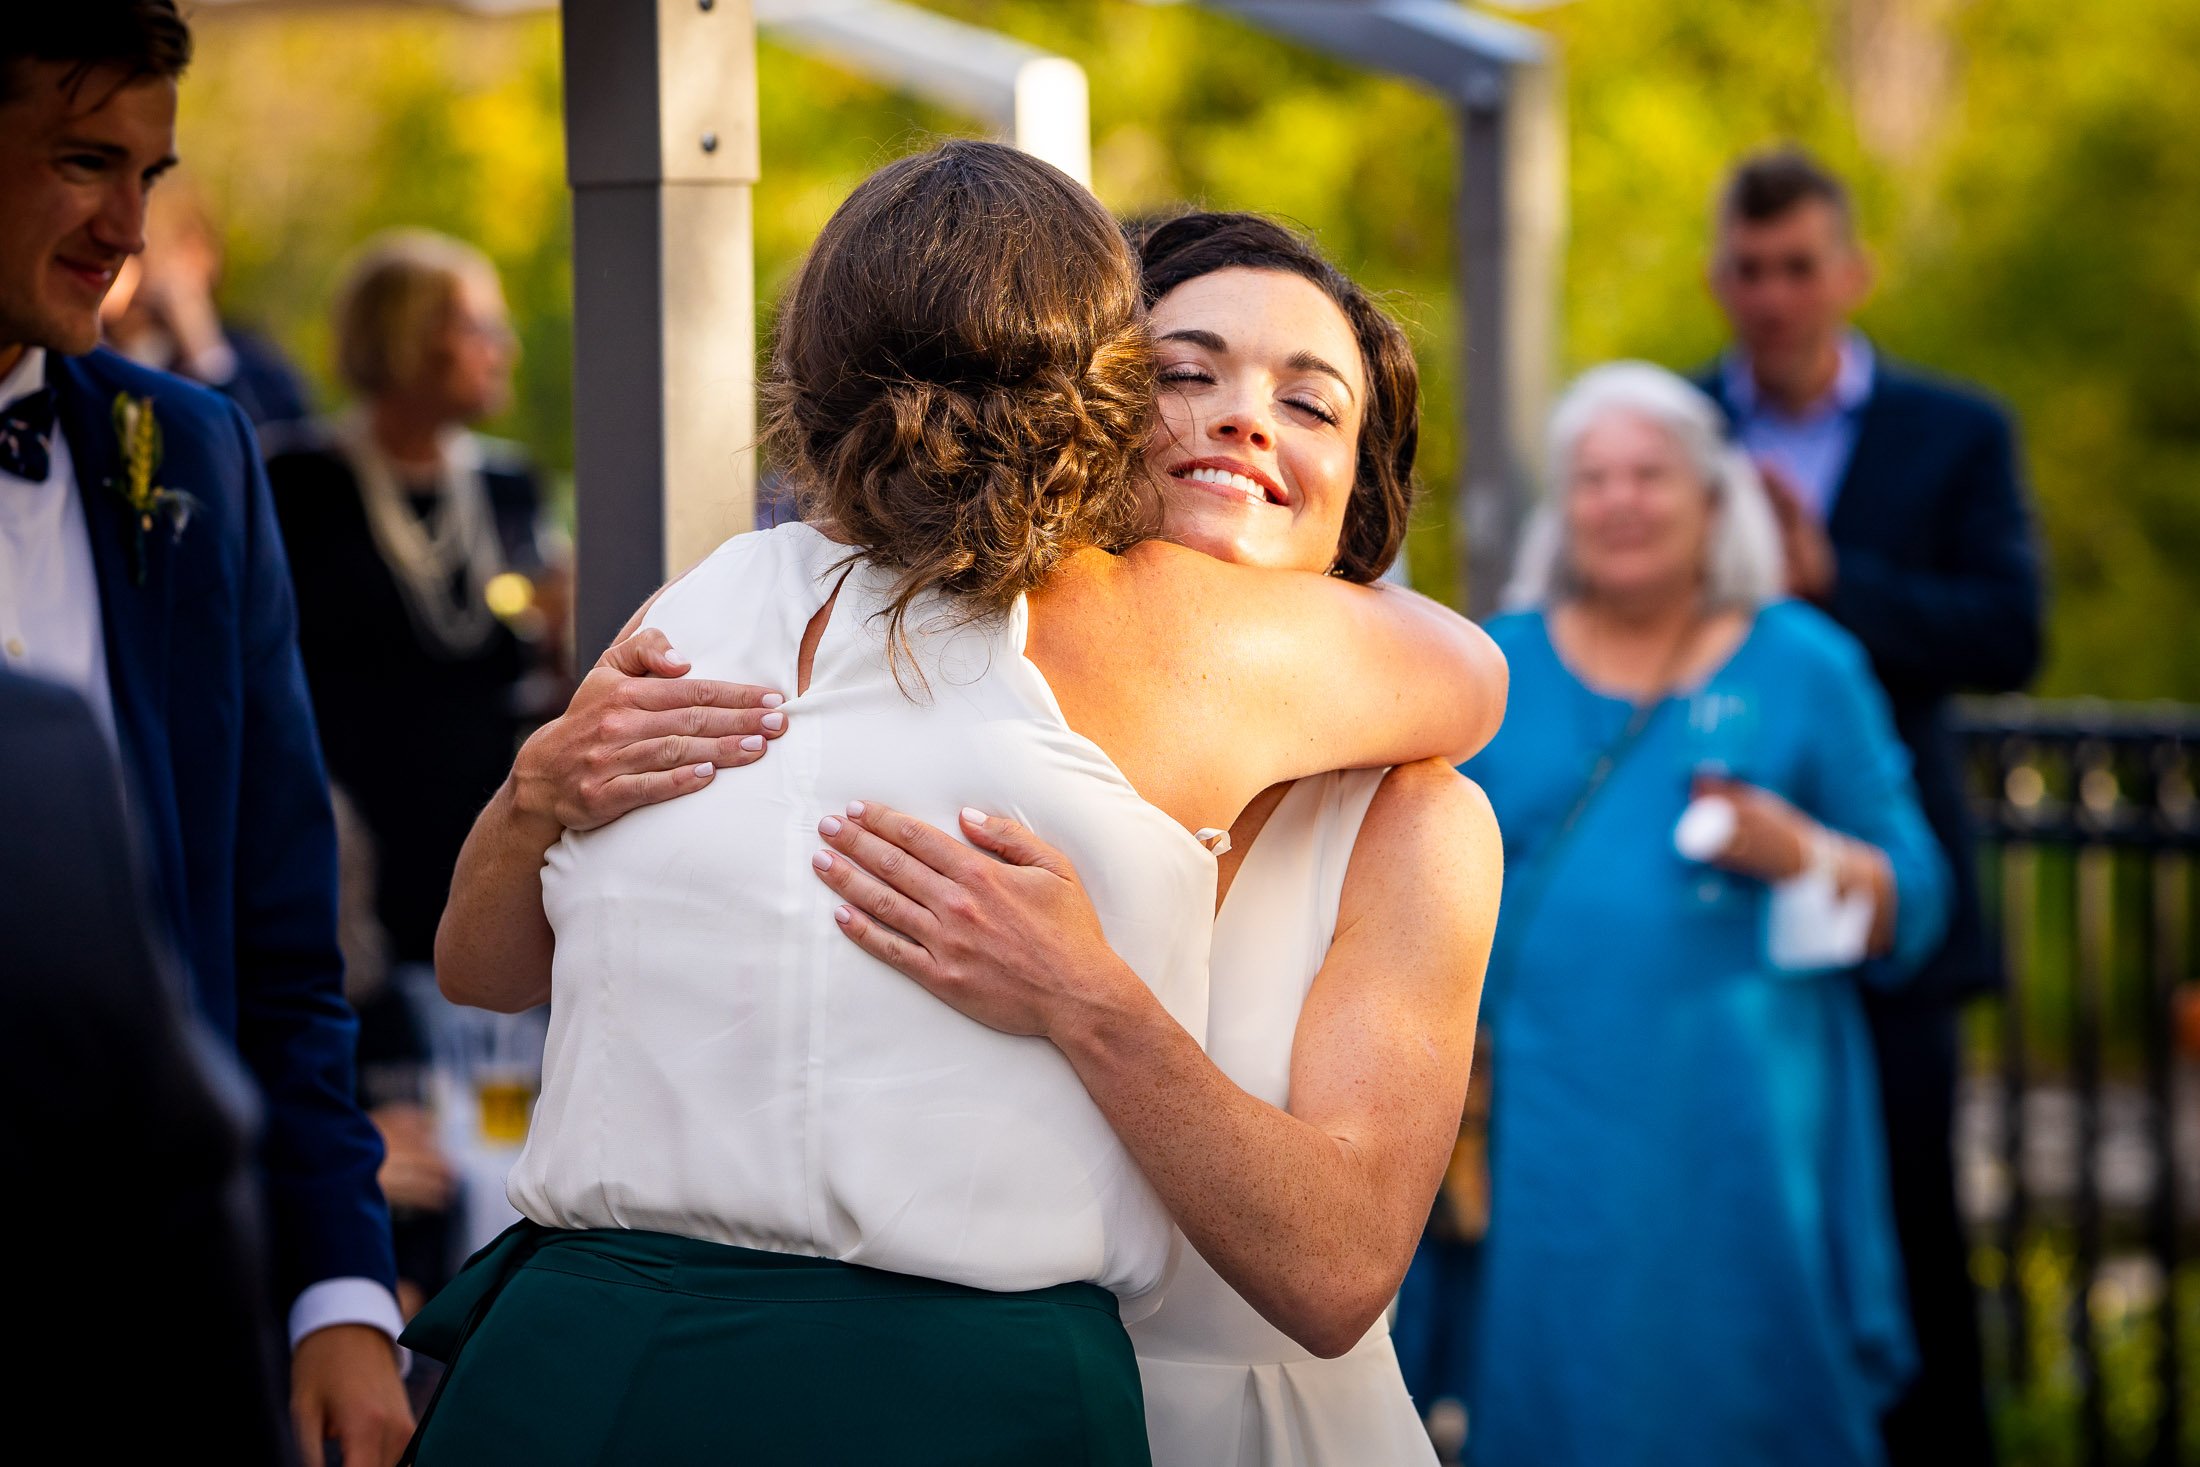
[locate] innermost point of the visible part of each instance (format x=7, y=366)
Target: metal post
x=1038, y=101
x=2020, y=888
x=1491, y=499
x=2093, y=872
x=661, y=151
x=2161, y=940
x=1511, y=210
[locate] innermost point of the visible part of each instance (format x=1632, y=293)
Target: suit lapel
x=1874, y=463
x=134, y=617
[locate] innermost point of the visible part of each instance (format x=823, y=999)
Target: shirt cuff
x=345, y=1301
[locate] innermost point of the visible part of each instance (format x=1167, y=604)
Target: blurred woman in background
x=1690, y=1255
x=413, y=548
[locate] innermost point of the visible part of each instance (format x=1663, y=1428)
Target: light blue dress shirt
x=1811, y=447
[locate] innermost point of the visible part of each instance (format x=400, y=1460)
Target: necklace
x=425, y=560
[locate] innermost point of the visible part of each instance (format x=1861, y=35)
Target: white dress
x=1225, y=1388
x=723, y=1064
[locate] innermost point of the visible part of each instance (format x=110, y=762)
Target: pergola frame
x=662, y=155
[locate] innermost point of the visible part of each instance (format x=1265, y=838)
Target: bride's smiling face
x=1261, y=396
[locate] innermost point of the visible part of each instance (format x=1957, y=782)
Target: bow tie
x=26, y=425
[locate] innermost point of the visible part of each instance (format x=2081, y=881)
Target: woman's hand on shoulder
x=638, y=732
x=1012, y=942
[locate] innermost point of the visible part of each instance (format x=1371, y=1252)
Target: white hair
x=1743, y=563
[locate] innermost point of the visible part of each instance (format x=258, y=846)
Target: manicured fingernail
x=973, y=816
x=855, y=809
x=773, y=722
x=828, y=826
x=843, y=915
x=771, y=700
x=705, y=771
x=672, y=655
x=823, y=860
x=752, y=742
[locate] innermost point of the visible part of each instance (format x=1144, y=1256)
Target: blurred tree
x=2026, y=183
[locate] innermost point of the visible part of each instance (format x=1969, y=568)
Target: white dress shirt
x=51, y=627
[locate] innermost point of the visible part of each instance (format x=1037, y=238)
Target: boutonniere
x=137, y=433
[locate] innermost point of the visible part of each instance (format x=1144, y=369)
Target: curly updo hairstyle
x=1172, y=251
x=962, y=383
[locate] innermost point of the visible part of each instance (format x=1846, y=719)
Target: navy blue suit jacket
x=218, y=745
x=1938, y=576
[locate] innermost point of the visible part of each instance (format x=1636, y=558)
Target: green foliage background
x=2028, y=179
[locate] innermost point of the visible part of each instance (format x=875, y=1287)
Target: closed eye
x=1314, y=407
x=1169, y=375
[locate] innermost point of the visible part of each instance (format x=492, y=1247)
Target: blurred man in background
x=141, y=567
x=1901, y=514
x=161, y=313
x=126, y=1126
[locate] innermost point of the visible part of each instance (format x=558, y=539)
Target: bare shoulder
x=1429, y=843
x=1161, y=576
x=1170, y=572
x=1176, y=611
x=1424, y=808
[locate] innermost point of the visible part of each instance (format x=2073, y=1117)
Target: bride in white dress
x=1301, y=1152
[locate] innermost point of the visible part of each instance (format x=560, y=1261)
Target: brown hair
x=1172, y=251
x=961, y=382
x=139, y=38
x=1765, y=186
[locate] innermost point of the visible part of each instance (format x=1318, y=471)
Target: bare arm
x=1311, y=1213
x=1208, y=682
x=636, y=733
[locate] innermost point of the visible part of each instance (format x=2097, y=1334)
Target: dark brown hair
x=1172, y=251
x=139, y=38
x=1765, y=186
x=961, y=381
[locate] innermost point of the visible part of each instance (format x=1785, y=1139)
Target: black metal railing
x=2079, y=1119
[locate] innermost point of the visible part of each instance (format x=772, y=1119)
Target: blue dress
x=1691, y=1257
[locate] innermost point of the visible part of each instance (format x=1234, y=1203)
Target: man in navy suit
x=140, y=565
x=1902, y=516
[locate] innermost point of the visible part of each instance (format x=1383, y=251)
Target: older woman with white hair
x=1711, y=839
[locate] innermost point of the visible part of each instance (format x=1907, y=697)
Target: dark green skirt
x=606, y=1347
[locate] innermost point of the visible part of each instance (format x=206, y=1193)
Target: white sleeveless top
x=724, y=1064
x=1224, y=1387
